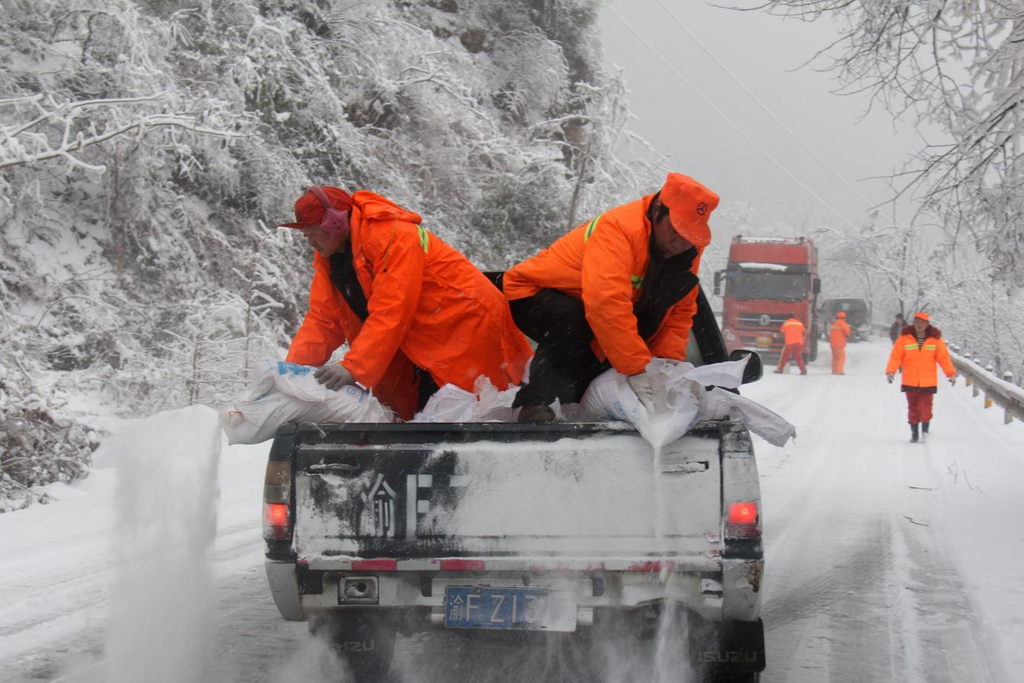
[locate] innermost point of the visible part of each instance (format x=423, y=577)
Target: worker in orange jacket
x=917, y=351
x=793, y=337
x=837, y=337
x=415, y=312
x=614, y=292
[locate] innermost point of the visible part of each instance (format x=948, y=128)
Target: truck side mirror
x=816, y=285
x=718, y=281
x=754, y=369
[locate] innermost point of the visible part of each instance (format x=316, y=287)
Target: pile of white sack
x=484, y=404
x=279, y=393
x=681, y=400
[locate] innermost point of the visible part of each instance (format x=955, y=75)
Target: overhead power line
x=729, y=121
x=761, y=104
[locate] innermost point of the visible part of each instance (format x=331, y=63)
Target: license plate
x=763, y=342
x=532, y=609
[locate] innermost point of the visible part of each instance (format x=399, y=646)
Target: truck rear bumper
x=725, y=589
x=284, y=586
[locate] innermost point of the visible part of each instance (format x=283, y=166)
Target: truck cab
x=767, y=281
x=504, y=530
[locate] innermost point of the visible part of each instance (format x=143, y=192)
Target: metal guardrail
x=982, y=380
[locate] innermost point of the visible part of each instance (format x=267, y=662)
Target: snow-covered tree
x=896, y=265
x=958, y=66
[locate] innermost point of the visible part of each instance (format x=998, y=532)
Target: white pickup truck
x=378, y=529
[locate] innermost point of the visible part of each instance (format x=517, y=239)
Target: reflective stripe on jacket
x=838, y=334
x=603, y=263
x=425, y=302
x=919, y=362
x=793, y=331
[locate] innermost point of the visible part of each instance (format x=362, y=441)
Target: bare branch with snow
x=59, y=131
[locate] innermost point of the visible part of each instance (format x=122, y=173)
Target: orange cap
x=689, y=206
x=841, y=314
x=309, y=210
x=922, y=316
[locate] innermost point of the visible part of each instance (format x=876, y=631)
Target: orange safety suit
x=920, y=377
x=603, y=263
x=427, y=306
x=793, y=338
x=837, y=340
x=920, y=363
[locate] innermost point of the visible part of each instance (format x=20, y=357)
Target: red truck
x=767, y=281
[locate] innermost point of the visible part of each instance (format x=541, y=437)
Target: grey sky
x=763, y=52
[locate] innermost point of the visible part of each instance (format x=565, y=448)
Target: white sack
x=280, y=392
x=494, y=405
x=452, y=404
x=770, y=426
x=680, y=401
x=448, y=404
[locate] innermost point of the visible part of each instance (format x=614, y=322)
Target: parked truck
x=858, y=317
x=504, y=529
x=767, y=282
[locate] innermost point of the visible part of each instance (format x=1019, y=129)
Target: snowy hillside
x=147, y=150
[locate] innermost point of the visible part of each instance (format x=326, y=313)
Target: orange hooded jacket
x=427, y=305
x=838, y=334
x=603, y=262
x=919, y=362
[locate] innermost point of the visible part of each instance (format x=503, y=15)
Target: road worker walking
x=917, y=351
x=794, y=335
x=837, y=337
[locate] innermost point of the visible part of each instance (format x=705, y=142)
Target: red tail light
x=743, y=513
x=742, y=521
x=275, y=522
x=277, y=489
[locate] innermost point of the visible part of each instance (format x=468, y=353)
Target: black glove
x=890, y=376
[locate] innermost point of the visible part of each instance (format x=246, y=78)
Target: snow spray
x=668, y=646
x=665, y=618
x=315, y=661
x=161, y=624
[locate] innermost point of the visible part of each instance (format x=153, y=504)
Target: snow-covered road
x=886, y=561
x=861, y=583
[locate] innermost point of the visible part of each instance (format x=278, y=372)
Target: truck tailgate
x=568, y=492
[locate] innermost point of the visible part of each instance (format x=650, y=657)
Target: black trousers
x=563, y=364
x=425, y=388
